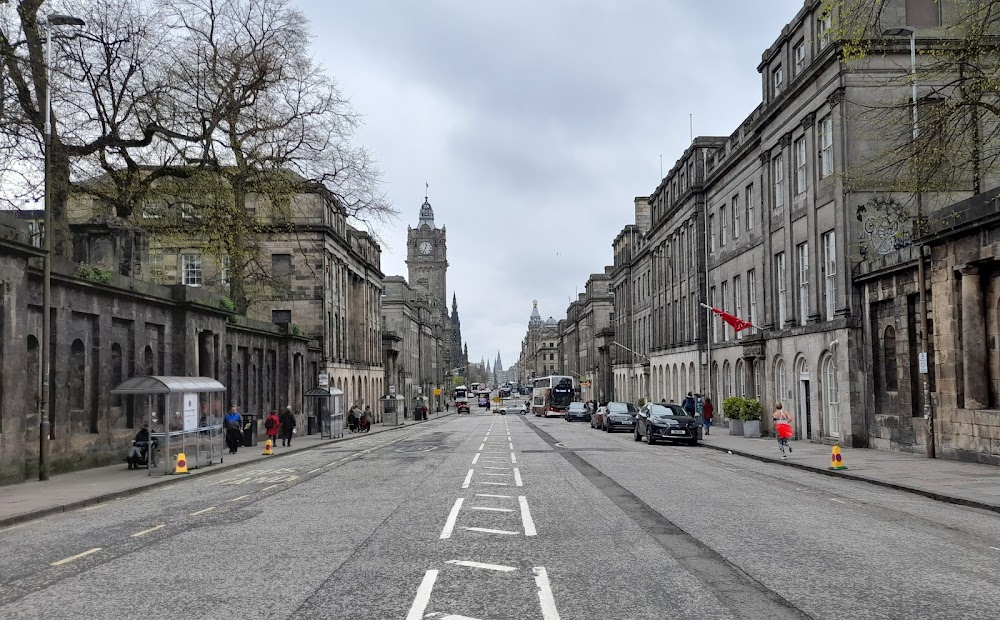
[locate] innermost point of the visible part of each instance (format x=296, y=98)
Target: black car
x=619, y=415
x=577, y=411
x=666, y=422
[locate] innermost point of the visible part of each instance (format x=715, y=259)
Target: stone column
x=973, y=340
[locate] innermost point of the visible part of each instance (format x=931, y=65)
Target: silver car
x=619, y=416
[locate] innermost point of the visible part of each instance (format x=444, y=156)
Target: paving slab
x=957, y=482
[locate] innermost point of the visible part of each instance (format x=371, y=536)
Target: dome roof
x=426, y=214
x=551, y=322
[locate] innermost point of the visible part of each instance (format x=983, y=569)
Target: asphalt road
x=507, y=517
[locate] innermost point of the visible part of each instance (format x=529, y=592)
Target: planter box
x=736, y=427
x=751, y=428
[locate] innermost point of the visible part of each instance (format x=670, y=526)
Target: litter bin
x=312, y=425
x=249, y=429
x=701, y=426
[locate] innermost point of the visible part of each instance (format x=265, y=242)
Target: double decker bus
x=474, y=388
x=552, y=395
x=461, y=393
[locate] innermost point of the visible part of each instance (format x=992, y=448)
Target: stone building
x=579, y=342
x=107, y=328
x=540, y=348
x=630, y=365
x=415, y=367
x=312, y=271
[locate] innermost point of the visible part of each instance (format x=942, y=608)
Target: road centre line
x=496, y=567
x=475, y=459
x=995, y=548
x=513, y=459
x=468, y=479
x=529, y=524
x=313, y=471
x=236, y=499
x=492, y=467
x=273, y=486
x=834, y=499
x=76, y=557
x=511, y=445
x=493, y=509
x=517, y=477
x=481, y=446
x=423, y=596
x=545, y=597
x=449, y=524
x=200, y=512
x=150, y=530
x=489, y=495
x=487, y=530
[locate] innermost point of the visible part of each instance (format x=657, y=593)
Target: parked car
x=577, y=411
x=666, y=422
x=462, y=406
x=618, y=415
x=597, y=418
x=514, y=406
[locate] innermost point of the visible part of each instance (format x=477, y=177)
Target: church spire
x=454, y=303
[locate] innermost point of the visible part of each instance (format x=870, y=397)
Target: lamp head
x=902, y=31
x=57, y=19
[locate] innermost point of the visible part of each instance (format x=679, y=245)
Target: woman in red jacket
x=271, y=426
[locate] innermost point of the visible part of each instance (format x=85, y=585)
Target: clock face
x=425, y=247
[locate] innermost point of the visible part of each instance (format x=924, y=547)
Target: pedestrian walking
x=782, y=428
x=271, y=425
x=234, y=428
x=709, y=411
x=287, y=426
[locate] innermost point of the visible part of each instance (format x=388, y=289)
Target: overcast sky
x=535, y=123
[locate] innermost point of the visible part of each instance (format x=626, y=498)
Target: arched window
x=147, y=361
x=77, y=370
x=116, y=370
x=758, y=378
x=830, y=397
x=727, y=380
x=780, y=383
x=889, y=359
x=691, y=380
x=34, y=375
x=684, y=381
x=741, y=383
x=716, y=392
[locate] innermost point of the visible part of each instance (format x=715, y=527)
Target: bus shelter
x=329, y=408
x=184, y=414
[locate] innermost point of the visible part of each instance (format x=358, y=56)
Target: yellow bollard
x=837, y=459
x=267, y=448
x=182, y=464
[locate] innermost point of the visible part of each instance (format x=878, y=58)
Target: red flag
x=737, y=323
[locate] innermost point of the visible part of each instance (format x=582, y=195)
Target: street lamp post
x=51, y=21
x=922, y=284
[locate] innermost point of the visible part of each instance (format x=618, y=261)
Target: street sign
x=922, y=361
x=324, y=380
x=585, y=383
x=437, y=391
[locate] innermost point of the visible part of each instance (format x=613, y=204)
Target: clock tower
x=427, y=257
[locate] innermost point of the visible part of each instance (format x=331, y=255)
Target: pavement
x=79, y=489
x=956, y=482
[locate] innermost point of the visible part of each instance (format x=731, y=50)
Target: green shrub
x=641, y=402
x=732, y=407
x=752, y=409
x=94, y=274
x=227, y=304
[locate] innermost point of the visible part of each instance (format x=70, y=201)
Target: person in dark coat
x=287, y=426
x=234, y=429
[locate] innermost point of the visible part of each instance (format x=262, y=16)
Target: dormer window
x=777, y=79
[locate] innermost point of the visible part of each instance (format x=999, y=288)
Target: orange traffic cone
x=837, y=459
x=267, y=448
x=182, y=464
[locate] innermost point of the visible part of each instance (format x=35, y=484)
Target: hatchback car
x=462, y=406
x=666, y=422
x=514, y=406
x=619, y=416
x=577, y=411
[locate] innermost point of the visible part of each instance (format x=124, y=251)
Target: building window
x=748, y=198
x=722, y=226
x=737, y=302
x=156, y=273
x=727, y=380
x=778, y=172
x=799, y=54
x=778, y=80
x=725, y=297
x=779, y=279
x=889, y=359
x=736, y=216
x=800, y=165
x=803, y=255
x=224, y=270
x=780, y=385
x=191, y=269
x=281, y=271
x=741, y=379
x=711, y=232
x=752, y=297
x=830, y=273
x=826, y=147
x=712, y=302
x=825, y=27
x=832, y=407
